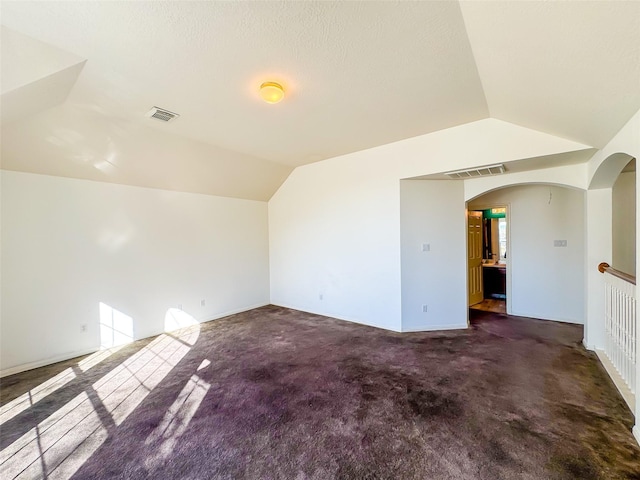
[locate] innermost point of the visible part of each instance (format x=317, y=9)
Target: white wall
x=546, y=281
x=433, y=213
x=334, y=226
x=624, y=223
x=626, y=142
x=334, y=240
x=68, y=245
x=598, y=233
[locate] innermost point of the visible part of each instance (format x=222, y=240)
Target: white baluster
x=621, y=327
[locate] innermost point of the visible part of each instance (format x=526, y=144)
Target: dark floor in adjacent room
x=278, y=394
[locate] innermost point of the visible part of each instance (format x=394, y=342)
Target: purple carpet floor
x=275, y=393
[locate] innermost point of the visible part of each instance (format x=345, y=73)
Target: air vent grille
x=477, y=172
x=161, y=114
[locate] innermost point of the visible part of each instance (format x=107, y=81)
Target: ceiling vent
x=161, y=114
x=477, y=172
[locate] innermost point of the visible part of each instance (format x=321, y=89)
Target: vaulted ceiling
x=78, y=78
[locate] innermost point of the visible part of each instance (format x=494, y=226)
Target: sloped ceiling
x=357, y=75
x=35, y=75
x=571, y=69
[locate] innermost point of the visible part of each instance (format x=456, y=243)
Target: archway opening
x=623, y=206
x=543, y=263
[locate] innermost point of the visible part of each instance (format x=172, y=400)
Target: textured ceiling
x=357, y=75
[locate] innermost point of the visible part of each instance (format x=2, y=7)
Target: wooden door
x=474, y=246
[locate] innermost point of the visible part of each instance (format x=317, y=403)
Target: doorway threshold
x=494, y=305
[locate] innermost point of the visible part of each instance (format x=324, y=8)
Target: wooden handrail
x=605, y=267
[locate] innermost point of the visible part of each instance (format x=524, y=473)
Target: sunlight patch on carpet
x=175, y=422
x=124, y=388
x=14, y=407
x=57, y=446
x=95, y=358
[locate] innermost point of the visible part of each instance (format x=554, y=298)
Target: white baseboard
x=47, y=361
x=426, y=328
x=68, y=356
x=435, y=328
x=330, y=315
x=535, y=316
x=209, y=318
x=588, y=347
x=636, y=432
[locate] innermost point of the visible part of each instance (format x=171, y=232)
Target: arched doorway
x=623, y=220
x=545, y=246
x=600, y=239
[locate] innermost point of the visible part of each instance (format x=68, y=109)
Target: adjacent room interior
x=319, y=239
x=491, y=293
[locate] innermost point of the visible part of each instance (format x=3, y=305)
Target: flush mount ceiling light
x=271, y=92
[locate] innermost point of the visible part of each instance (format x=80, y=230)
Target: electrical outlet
x=559, y=243
x=321, y=296
x=426, y=247
x=202, y=302
x=83, y=328
x=179, y=306
x=424, y=308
